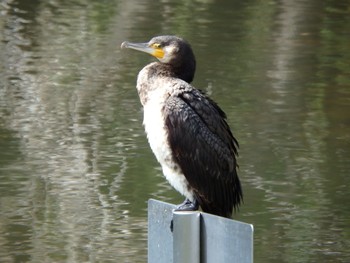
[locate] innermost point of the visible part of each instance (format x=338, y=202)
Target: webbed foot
x=188, y=205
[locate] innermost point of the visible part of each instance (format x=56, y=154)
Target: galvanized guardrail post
x=160, y=236
x=196, y=237
x=225, y=240
x=186, y=237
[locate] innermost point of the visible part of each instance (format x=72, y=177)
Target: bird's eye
x=156, y=45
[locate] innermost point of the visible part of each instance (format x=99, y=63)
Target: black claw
x=187, y=205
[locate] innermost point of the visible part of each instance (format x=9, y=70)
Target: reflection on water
x=75, y=167
x=60, y=107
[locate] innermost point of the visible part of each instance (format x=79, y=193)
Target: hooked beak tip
x=124, y=45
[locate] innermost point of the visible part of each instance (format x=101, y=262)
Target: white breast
x=154, y=122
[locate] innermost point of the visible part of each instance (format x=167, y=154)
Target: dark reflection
x=62, y=104
x=75, y=167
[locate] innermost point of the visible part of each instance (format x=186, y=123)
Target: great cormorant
x=187, y=130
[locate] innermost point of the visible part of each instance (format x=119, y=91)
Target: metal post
x=196, y=237
x=225, y=240
x=186, y=237
x=160, y=237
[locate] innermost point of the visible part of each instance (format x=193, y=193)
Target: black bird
x=186, y=130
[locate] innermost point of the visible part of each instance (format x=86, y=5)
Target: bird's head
x=169, y=50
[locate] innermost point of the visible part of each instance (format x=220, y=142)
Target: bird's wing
x=205, y=149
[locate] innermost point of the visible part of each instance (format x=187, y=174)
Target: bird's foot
x=188, y=205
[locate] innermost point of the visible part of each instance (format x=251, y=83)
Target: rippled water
x=75, y=167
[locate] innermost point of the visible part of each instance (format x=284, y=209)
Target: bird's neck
x=158, y=75
x=183, y=71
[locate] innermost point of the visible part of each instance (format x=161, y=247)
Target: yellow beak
x=157, y=52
